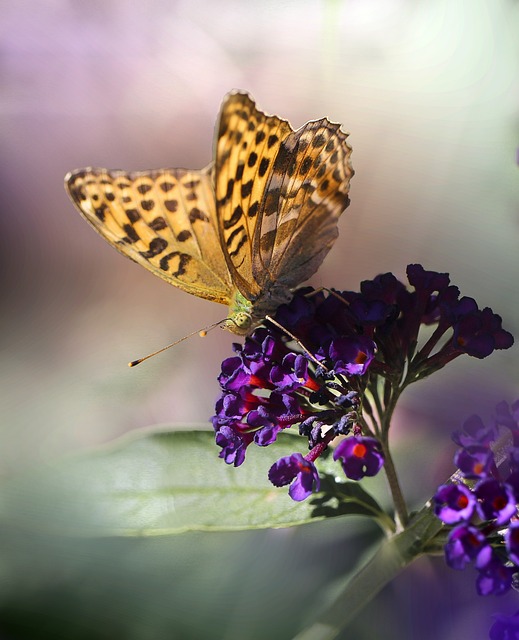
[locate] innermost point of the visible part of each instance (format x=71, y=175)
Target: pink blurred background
x=429, y=92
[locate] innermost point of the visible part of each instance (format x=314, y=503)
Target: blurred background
x=429, y=91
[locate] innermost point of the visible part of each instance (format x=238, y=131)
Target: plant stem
x=391, y=557
x=401, y=513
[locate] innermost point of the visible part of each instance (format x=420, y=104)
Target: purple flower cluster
x=391, y=315
x=265, y=389
x=483, y=512
x=505, y=627
x=326, y=380
x=268, y=387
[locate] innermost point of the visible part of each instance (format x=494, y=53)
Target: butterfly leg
x=313, y=293
x=291, y=335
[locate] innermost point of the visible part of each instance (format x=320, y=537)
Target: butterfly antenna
x=201, y=332
x=291, y=335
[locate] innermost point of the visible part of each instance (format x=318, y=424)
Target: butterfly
x=245, y=230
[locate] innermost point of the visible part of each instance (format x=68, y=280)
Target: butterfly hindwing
x=306, y=193
x=165, y=220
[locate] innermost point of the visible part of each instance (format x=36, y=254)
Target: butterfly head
x=239, y=319
x=239, y=322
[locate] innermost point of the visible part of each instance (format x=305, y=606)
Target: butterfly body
x=243, y=231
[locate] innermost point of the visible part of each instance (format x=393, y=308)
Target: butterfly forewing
x=247, y=141
x=164, y=220
x=306, y=193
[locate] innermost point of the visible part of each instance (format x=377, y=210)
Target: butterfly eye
x=243, y=320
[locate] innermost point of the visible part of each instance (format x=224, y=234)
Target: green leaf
x=346, y=498
x=154, y=484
